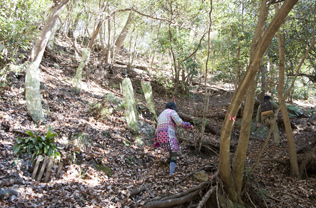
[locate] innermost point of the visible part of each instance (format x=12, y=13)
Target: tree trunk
x=32, y=83
x=74, y=26
x=263, y=72
x=94, y=35
x=237, y=80
x=286, y=120
x=130, y=51
x=119, y=41
x=224, y=163
x=107, y=55
x=239, y=158
x=114, y=47
x=102, y=39
x=207, y=94
x=153, y=58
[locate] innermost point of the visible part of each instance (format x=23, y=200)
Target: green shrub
x=37, y=145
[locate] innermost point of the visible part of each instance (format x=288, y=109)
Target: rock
x=139, y=142
x=105, y=169
x=56, y=66
x=7, y=193
x=146, y=129
x=201, y=176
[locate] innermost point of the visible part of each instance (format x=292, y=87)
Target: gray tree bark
x=119, y=41
x=32, y=78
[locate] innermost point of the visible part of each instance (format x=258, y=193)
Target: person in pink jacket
x=165, y=134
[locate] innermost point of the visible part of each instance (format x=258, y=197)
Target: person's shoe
x=172, y=167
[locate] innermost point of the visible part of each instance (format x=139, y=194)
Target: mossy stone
x=105, y=169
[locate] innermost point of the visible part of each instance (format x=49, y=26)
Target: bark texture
x=119, y=41
x=286, y=119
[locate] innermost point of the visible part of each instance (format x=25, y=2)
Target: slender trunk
x=286, y=120
x=176, y=72
x=107, y=55
x=206, y=103
x=134, y=53
x=113, y=47
x=69, y=18
x=153, y=58
x=239, y=158
x=32, y=78
x=263, y=72
x=237, y=80
x=74, y=26
x=240, y=154
x=95, y=33
x=119, y=41
x=130, y=50
x=102, y=38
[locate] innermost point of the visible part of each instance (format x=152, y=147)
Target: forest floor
x=107, y=142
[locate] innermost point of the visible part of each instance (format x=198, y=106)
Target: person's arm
x=258, y=117
x=274, y=106
x=179, y=122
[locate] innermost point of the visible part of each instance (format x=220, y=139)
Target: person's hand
x=192, y=127
x=258, y=124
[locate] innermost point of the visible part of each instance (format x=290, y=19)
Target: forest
x=84, y=86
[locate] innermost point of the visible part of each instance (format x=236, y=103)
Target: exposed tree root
x=186, y=196
x=308, y=158
x=11, y=181
x=177, y=198
x=206, y=196
x=172, y=202
x=272, y=160
x=303, y=147
x=141, y=189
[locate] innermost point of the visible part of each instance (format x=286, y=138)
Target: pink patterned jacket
x=165, y=133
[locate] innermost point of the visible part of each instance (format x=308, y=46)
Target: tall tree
x=119, y=41
x=32, y=78
x=286, y=120
x=239, y=158
x=224, y=164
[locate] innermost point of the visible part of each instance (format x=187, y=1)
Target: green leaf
x=30, y=133
x=46, y=149
x=49, y=134
x=50, y=152
x=16, y=148
x=20, y=140
x=15, y=162
x=127, y=143
x=27, y=140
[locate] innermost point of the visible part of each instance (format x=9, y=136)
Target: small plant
x=116, y=86
x=37, y=145
x=247, y=171
x=294, y=110
x=100, y=110
x=112, y=98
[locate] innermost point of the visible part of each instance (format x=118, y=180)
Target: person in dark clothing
x=265, y=114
